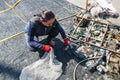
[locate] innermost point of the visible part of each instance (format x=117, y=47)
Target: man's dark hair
x=46, y=15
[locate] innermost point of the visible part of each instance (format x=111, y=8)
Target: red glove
x=46, y=48
x=66, y=42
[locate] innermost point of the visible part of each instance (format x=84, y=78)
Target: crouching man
x=42, y=24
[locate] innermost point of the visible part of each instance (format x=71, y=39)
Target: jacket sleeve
x=31, y=34
x=62, y=32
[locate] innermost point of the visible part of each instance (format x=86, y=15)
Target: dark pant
x=52, y=33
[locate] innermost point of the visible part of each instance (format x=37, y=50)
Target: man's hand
x=46, y=48
x=66, y=42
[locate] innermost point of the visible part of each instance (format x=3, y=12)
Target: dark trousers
x=52, y=33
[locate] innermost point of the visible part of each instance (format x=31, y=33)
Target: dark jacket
x=36, y=28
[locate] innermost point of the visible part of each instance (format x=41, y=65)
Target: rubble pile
x=97, y=39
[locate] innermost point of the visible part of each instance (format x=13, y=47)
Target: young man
x=43, y=24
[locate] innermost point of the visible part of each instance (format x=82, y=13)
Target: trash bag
x=47, y=68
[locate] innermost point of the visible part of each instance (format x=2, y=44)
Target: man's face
x=49, y=23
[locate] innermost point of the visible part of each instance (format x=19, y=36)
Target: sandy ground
x=14, y=55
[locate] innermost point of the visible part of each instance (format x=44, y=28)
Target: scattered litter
x=97, y=39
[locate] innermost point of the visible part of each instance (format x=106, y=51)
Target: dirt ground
x=14, y=55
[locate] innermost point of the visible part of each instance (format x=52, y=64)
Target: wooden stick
x=78, y=24
x=93, y=20
x=86, y=4
x=104, y=35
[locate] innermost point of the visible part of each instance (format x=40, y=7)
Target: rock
x=47, y=68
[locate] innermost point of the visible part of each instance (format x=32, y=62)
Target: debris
x=103, y=8
x=118, y=38
x=101, y=69
x=97, y=40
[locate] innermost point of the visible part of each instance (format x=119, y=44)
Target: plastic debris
x=47, y=68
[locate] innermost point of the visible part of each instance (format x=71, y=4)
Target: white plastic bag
x=47, y=68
